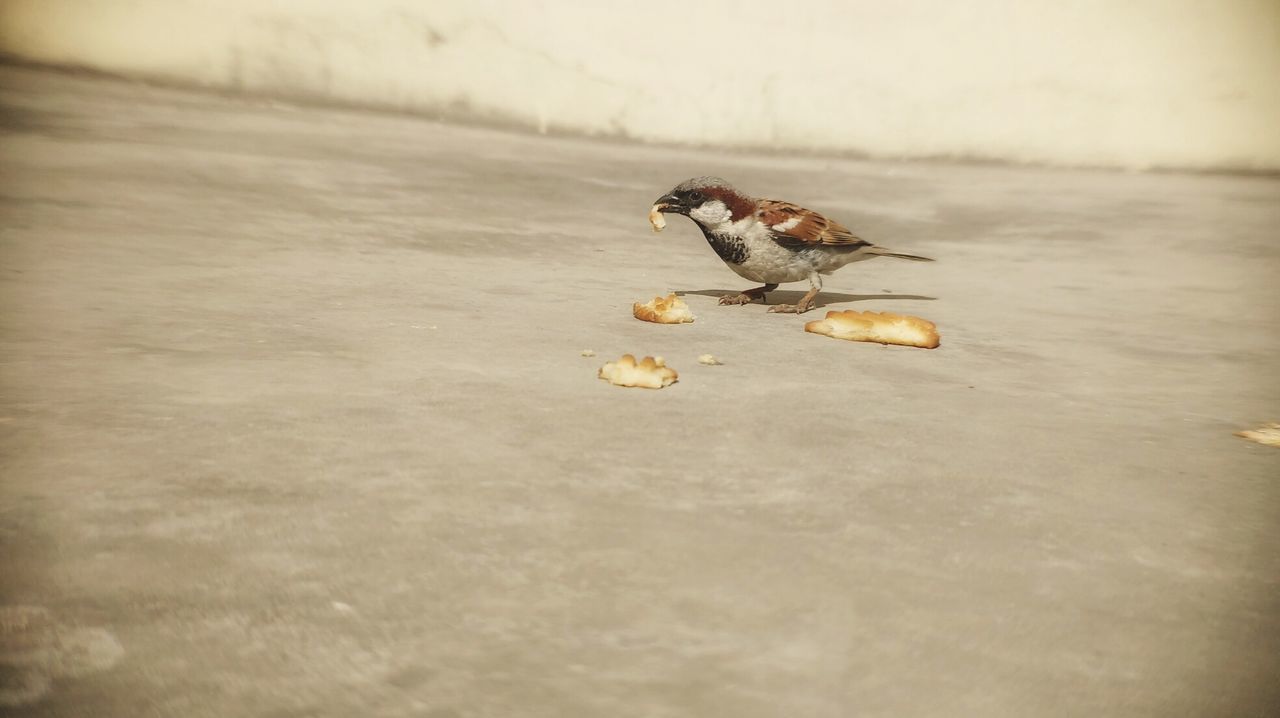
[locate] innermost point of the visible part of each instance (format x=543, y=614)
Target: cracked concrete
x=294, y=417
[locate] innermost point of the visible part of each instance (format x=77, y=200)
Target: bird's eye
x=695, y=196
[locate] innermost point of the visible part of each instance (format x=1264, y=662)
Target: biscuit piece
x=671, y=310
x=656, y=219
x=881, y=327
x=709, y=360
x=649, y=373
x=1267, y=434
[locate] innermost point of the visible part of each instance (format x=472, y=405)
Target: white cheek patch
x=784, y=226
x=710, y=214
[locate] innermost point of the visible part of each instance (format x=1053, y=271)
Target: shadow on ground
x=787, y=296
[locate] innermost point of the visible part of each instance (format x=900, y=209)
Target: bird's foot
x=800, y=307
x=747, y=296
x=806, y=303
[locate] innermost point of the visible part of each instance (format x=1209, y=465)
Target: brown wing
x=796, y=227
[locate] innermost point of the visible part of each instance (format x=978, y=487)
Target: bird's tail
x=882, y=252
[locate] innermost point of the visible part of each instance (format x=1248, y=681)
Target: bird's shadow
x=789, y=296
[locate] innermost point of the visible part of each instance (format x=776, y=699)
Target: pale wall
x=1144, y=83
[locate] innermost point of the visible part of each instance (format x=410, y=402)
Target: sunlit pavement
x=294, y=422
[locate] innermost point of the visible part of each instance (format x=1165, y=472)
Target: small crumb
x=341, y=607
x=1267, y=435
x=588, y=353
x=656, y=219
x=709, y=360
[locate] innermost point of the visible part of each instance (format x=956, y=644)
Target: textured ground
x=294, y=422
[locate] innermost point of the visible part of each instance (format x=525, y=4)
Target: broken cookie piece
x=656, y=219
x=880, y=327
x=1267, y=435
x=669, y=310
x=648, y=373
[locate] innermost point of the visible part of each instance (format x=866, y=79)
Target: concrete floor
x=294, y=423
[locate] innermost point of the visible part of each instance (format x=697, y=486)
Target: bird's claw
x=731, y=299
x=800, y=308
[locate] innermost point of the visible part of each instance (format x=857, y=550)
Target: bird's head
x=709, y=201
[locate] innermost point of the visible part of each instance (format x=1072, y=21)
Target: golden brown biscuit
x=881, y=327
x=648, y=373
x=1267, y=434
x=656, y=219
x=671, y=310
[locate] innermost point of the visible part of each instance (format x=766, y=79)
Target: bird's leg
x=748, y=296
x=806, y=302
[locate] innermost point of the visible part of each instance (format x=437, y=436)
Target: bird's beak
x=670, y=204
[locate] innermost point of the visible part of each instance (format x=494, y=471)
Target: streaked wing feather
x=795, y=227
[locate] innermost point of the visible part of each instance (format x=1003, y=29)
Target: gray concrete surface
x=295, y=423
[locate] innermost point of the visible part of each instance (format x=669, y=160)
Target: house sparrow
x=767, y=240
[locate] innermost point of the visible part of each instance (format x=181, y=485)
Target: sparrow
x=768, y=240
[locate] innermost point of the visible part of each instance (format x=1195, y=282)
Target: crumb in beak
x=656, y=219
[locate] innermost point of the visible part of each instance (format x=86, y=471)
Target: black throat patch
x=730, y=249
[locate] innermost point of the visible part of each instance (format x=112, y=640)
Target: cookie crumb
x=1267, y=435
